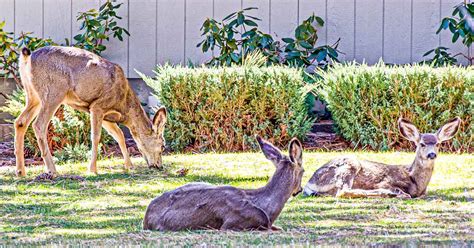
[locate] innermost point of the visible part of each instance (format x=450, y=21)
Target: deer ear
x=408, y=130
x=448, y=130
x=159, y=120
x=296, y=151
x=271, y=152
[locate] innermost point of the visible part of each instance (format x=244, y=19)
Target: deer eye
x=422, y=144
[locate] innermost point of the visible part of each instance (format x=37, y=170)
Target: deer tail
x=25, y=52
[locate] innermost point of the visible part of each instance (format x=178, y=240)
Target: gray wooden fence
x=398, y=31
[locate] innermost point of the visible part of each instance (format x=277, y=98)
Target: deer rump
x=204, y=206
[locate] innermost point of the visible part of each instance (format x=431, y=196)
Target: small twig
x=5, y=96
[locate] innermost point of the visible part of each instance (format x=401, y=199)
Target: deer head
x=151, y=142
x=292, y=163
x=427, y=144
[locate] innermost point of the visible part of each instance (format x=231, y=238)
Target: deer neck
x=272, y=197
x=420, y=173
x=136, y=118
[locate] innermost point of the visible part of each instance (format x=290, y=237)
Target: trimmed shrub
x=366, y=102
x=221, y=109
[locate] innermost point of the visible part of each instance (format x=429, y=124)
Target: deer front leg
x=276, y=228
x=21, y=126
x=250, y=218
x=114, y=130
x=362, y=193
x=97, y=117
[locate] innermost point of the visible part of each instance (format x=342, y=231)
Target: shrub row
x=221, y=109
x=366, y=101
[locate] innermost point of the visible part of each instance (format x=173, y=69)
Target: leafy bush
x=238, y=35
x=65, y=130
x=460, y=24
x=235, y=36
x=221, y=109
x=367, y=101
x=98, y=26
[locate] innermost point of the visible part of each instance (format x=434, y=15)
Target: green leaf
x=320, y=21
x=240, y=19
x=428, y=53
x=321, y=55
x=332, y=52
x=250, y=23
x=229, y=16
x=455, y=37
x=234, y=57
x=306, y=45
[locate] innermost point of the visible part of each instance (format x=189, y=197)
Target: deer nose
x=297, y=192
x=431, y=155
x=307, y=192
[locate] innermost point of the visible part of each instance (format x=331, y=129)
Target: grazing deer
x=203, y=206
x=353, y=178
x=55, y=75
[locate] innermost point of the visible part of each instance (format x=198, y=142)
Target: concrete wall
x=399, y=31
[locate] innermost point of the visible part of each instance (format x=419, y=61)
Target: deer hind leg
x=345, y=178
x=21, y=126
x=114, y=130
x=40, y=127
x=344, y=182
x=97, y=116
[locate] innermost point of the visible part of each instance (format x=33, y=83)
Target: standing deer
x=353, y=178
x=55, y=75
x=203, y=206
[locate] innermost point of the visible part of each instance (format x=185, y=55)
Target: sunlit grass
x=107, y=209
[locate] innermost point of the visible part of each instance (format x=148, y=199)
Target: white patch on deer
x=311, y=188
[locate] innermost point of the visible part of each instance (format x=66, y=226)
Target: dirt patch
x=325, y=142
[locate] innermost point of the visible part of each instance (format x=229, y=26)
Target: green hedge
x=366, y=102
x=221, y=109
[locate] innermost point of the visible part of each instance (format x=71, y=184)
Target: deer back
x=85, y=76
x=200, y=206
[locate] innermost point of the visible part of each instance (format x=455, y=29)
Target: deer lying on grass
x=54, y=75
x=353, y=178
x=203, y=206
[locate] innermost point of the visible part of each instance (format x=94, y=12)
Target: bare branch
x=5, y=96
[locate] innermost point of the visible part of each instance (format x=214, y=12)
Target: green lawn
x=108, y=208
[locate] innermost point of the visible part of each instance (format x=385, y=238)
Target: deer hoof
x=404, y=196
x=20, y=173
x=276, y=228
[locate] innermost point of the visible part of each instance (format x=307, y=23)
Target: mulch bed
x=320, y=141
x=7, y=155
